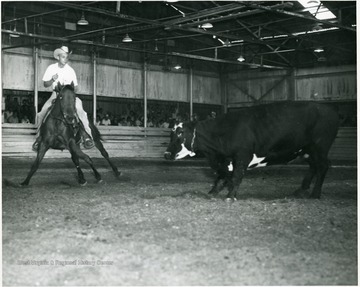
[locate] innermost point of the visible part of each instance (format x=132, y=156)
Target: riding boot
x=35, y=146
x=88, y=142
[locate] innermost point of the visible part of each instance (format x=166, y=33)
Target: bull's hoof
x=301, y=193
x=230, y=199
x=314, y=196
x=214, y=191
x=100, y=181
x=83, y=183
x=118, y=174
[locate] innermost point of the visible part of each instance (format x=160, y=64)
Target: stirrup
x=88, y=143
x=35, y=146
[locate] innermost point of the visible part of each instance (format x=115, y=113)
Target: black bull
x=258, y=136
x=60, y=130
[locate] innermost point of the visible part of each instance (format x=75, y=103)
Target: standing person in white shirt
x=62, y=73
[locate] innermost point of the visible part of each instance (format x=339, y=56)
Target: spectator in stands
x=212, y=115
x=122, y=122
x=150, y=123
x=99, y=112
x=164, y=124
x=138, y=122
x=194, y=118
x=13, y=119
x=128, y=121
x=106, y=120
x=25, y=110
x=98, y=120
x=25, y=120
x=7, y=115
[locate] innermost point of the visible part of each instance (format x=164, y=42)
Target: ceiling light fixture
x=318, y=50
x=14, y=35
x=227, y=43
x=127, y=39
x=83, y=21
x=177, y=67
x=207, y=25
x=241, y=58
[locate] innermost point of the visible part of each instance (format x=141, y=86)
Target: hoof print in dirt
x=300, y=193
x=124, y=178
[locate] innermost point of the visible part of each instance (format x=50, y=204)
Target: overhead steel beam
x=297, y=15
x=234, y=15
x=204, y=13
x=117, y=47
x=104, y=12
x=43, y=13
x=34, y=15
x=266, y=44
x=202, y=58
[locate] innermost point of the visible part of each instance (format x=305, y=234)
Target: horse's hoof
x=84, y=183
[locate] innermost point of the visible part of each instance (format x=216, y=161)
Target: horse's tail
x=95, y=132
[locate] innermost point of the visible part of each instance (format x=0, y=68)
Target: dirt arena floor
x=158, y=226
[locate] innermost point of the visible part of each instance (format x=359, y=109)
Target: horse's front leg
x=43, y=148
x=77, y=153
x=75, y=160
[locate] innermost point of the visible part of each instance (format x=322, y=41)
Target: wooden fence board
x=139, y=142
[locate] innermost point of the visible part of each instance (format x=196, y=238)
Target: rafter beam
x=297, y=15
x=233, y=15
x=204, y=13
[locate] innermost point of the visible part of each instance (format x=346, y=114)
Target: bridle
x=64, y=114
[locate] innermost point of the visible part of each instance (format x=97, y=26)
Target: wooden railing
x=17, y=140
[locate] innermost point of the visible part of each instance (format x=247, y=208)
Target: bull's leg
x=43, y=148
x=217, y=164
x=305, y=185
x=240, y=165
x=322, y=167
x=220, y=182
x=105, y=154
x=74, y=148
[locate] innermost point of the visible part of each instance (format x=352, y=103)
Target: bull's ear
x=72, y=85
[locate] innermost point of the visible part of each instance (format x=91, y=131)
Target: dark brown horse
x=61, y=130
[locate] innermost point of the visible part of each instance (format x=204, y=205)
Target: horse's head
x=67, y=96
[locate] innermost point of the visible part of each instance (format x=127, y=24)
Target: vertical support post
x=191, y=91
x=292, y=86
x=26, y=25
x=145, y=94
x=223, y=89
x=94, y=86
x=36, y=75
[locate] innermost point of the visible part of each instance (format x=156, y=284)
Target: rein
x=193, y=140
x=63, y=118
